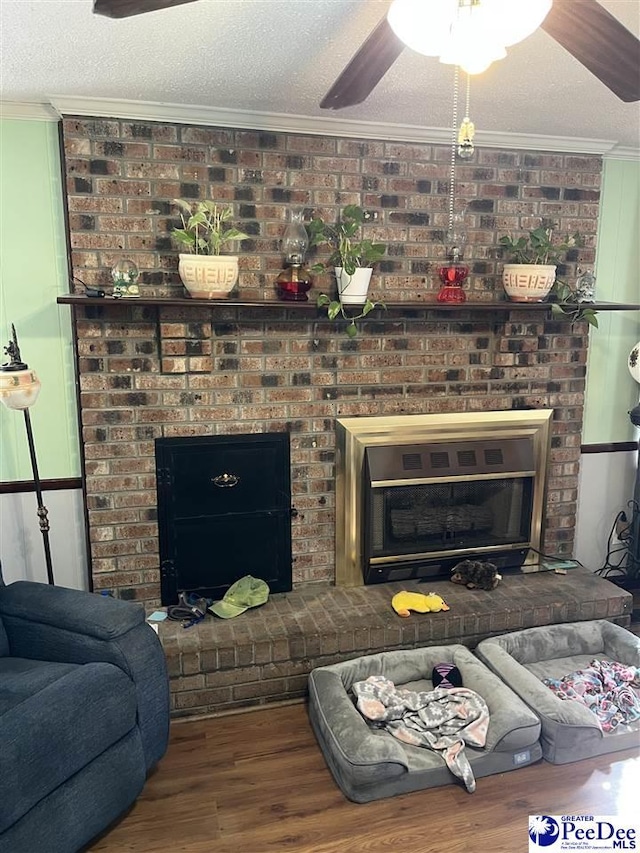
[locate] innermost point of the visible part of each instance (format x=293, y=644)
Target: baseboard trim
x=610, y=447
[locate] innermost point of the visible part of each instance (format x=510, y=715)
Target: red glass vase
x=452, y=277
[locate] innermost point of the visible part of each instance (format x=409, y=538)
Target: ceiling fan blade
x=365, y=70
x=127, y=8
x=600, y=42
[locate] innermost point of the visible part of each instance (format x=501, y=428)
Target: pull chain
x=454, y=132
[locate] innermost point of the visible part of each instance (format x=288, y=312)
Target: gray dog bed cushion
x=369, y=763
x=570, y=731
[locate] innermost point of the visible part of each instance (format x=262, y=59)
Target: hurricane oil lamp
x=294, y=281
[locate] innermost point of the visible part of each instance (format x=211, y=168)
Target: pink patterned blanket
x=442, y=719
x=610, y=689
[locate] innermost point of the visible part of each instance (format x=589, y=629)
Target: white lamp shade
x=19, y=389
x=471, y=36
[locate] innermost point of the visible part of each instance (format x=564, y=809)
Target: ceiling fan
x=585, y=29
x=127, y=8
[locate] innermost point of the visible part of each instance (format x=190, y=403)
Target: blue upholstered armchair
x=84, y=714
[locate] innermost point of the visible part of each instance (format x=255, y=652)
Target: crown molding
x=317, y=125
x=61, y=105
x=621, y=153
x=28, y=111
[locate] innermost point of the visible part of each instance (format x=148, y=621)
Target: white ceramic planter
x=528, y=282
x=208, y=276
x=353, y=289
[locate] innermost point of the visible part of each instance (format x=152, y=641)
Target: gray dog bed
x=570, y=730
x=369, y=763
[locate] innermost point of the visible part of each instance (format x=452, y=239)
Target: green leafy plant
x=205, y=227
x=347, y=251
x=565, y=303
x=540, y=246
x=335, y=308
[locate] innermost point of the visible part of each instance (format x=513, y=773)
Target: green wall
x=611, y=391
x=33, y=271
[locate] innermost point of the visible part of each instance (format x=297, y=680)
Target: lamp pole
x=19, y=389
x=43, y=515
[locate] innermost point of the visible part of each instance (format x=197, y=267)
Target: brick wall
x=146, y=372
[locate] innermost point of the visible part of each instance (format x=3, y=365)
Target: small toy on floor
x=476, y=574
x=403, y=602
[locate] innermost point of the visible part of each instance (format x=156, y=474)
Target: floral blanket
x=610, y=689
x=444, y=719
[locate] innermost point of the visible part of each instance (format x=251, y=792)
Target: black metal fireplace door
x=224, y=511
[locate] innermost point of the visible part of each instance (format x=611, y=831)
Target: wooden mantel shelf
x=182, y=302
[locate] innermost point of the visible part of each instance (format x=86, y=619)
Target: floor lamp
x=19, y=389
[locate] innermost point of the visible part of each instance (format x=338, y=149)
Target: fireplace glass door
x=428, y=507
x=443, y=517
x=428, y=522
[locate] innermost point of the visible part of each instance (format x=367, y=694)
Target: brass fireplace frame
x=355, y=435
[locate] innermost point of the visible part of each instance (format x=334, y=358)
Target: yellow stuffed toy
x=403, y=602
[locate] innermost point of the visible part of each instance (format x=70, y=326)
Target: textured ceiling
x=281, y=56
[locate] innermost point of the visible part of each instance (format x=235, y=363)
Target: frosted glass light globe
x=469, y=35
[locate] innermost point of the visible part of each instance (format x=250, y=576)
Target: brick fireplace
x=147, y=371
x=280, y=373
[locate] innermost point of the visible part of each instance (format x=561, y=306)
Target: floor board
x=257, y=783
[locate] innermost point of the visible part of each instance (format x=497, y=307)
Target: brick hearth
x=264, y=655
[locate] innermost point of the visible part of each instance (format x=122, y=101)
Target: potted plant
x=205, y=272
x=351, y=258
x=531, y=271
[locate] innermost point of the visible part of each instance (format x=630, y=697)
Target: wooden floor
x=257, y=783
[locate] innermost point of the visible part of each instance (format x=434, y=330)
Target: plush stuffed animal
x=435, y=602
x=403, y=602
x=476, y=574
x=446, y=675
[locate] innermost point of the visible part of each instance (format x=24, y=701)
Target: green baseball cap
x=243, y=594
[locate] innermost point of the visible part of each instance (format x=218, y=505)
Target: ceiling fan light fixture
x=468, y=33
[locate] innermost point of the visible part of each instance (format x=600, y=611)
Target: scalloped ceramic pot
x=528, y=282
x=208, y=276
x=353, y=288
